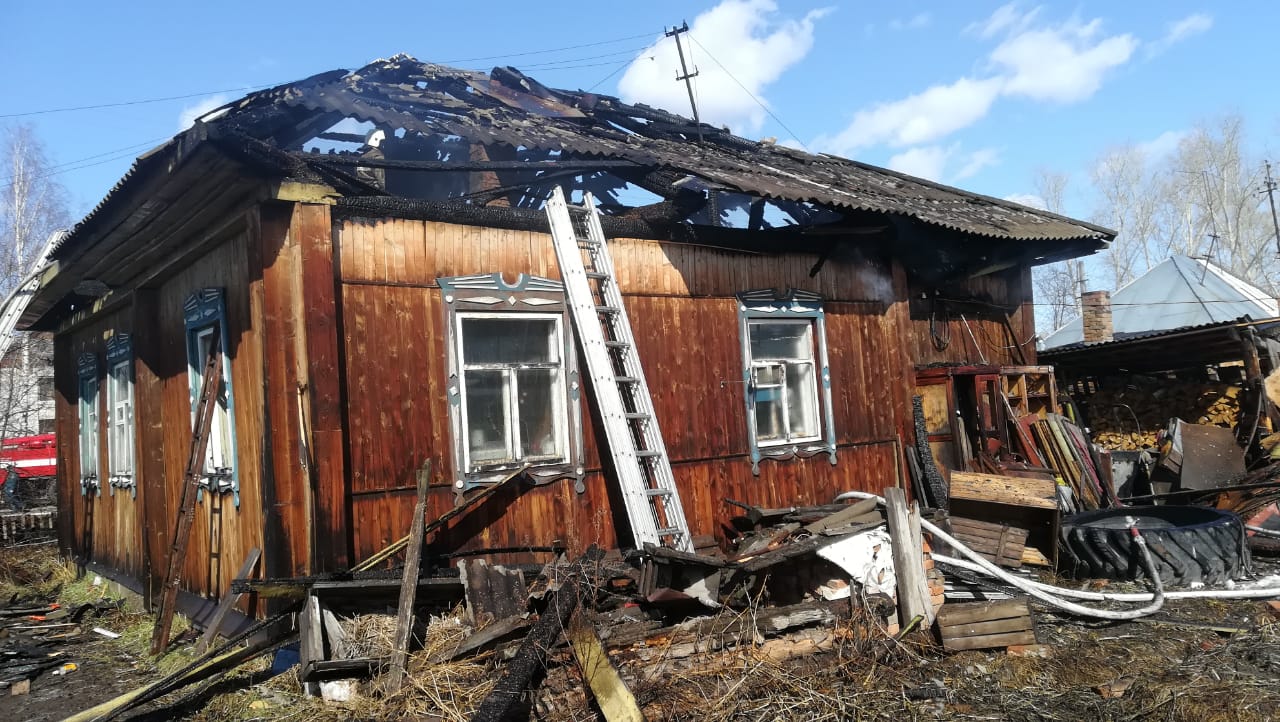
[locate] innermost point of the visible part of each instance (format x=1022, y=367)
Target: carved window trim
x=205, y=312
x=121, y=424
x=794, y=305
x=489, y=295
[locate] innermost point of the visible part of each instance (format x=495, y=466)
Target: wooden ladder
x=622, y=394
x=211, y=381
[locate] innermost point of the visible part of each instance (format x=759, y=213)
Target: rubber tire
x=1188, y=544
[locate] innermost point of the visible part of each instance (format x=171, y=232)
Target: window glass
x=802, y=400
x=502, y=341
x=88, y=427
x=781, y=340
x=538, y=412
x=513, y=389
x=121, y=424
x=486, y=416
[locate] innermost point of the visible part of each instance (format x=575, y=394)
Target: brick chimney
x=1096, y=314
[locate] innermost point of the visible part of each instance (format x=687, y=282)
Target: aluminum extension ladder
x=635, y=441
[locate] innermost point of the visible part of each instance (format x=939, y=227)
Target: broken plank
x=409, y=588
x=908, y=559
x=228, y=600
x=532, y=654
x=614, y=698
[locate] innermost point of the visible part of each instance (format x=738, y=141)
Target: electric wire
x=142, y=101
x=766, y=109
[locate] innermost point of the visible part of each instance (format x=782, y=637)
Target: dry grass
x=33, y=570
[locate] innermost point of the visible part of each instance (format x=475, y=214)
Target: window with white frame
x=513, y=386
x=786, y=374
x=87, y=366
x=205, y=316
x=120, y=428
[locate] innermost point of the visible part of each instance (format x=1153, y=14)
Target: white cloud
x=1162, y=145
x=1028, y=199
x=1063, y=62
x=1006, y=18
x=920, y=118
x=747, y=39
x=1179, y=30
x=934, y=162
x=190, y=113
x=925, y=161
x=915, y=22
x=976, y=162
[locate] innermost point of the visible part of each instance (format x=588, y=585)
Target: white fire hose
x=1056, y=595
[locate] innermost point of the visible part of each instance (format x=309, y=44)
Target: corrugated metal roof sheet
x=1177, y=293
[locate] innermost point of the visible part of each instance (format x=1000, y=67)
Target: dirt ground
x=1193, y=660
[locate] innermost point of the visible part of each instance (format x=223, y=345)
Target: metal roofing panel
x=1176, y=293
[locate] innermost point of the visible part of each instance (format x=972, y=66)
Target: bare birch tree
x=32, y=206
x=1056, y=284
x=1202, y=200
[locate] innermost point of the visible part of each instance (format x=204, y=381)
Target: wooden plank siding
x=108, y=529
x=684, y=314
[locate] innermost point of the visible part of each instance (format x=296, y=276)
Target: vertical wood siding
x=684, y=315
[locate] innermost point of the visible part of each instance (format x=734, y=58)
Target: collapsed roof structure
x=397, y=136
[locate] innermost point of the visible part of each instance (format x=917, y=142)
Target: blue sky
x=976, y=94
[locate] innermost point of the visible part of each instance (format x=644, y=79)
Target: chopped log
x=612, y=695
x=409, y=587
x=532, y=654
x=985, y=625
x=849, y=515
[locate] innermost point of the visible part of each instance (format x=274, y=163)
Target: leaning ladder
x=635, y=441
x=211, y=381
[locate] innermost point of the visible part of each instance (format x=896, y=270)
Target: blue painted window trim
x=791, y=304
x=491, y=294
x=204, y=309
x=87, y=370
x=120, y=350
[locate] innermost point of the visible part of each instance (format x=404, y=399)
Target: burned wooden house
x=371, y=251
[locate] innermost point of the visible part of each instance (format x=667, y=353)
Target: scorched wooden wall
x=684, y=314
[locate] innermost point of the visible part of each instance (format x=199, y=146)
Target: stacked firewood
x=1128, y=419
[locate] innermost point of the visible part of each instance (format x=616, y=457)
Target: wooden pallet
x=985, y=625
x=999, y=543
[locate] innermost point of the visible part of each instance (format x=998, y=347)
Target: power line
x=544, y=52
x=117, y=154
x=132, y=102
x=143, y=101
x=748, y=92
x=616, y=70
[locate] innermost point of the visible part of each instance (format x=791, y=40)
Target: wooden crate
x=985, y=625
x=999, y=543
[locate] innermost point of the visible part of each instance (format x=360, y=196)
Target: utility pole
x=686, y=76
x=1270, y=189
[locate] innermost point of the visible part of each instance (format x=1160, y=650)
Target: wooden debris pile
x=39, y=636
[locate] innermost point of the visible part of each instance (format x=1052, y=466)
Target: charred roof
x=431, y=115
